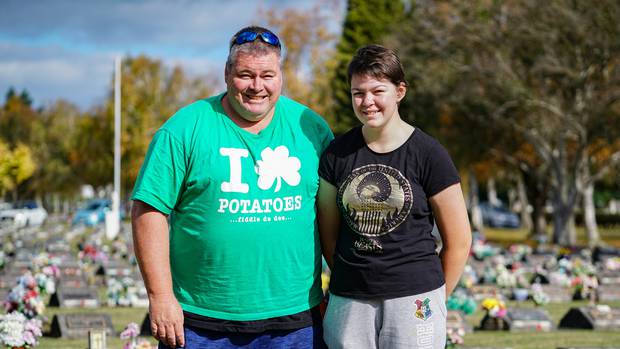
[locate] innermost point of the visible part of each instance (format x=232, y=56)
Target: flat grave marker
x=557, y=294
x=456, y=319
x=527, y=319
x=67, y=297
x=599, y=317
x=73, y=326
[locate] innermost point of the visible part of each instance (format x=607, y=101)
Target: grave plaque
x=75, y=281
x=73, y=326
x=600, y=317
x=116, y=268
x=7, y=281
x=601, y=253
x=609, y=278
x=96, y=339
x=490, y=323
x=57, y=245
x=539, y=259
x=68, y=297
x=608, y=293
x=456, y=319
x=481, y=292
x=557, y=294
x=526, y=319
x=70, y=268
x=477, y=266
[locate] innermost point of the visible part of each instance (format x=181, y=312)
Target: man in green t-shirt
x=224, y=212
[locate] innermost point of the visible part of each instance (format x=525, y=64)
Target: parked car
x=92, y=213
x=23, y=214
x=498, y=216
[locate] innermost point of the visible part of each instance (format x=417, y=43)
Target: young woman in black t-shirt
x=382, y=187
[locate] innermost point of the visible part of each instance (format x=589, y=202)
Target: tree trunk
x=526, y=217
x=474, y=199
x=589, y=215
x=492, y=192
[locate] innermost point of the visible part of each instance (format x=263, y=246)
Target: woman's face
x=375, y=101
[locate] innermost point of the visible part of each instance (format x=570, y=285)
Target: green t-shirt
x=243, y=239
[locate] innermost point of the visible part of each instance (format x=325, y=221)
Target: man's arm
x=329, y=219
x=451, y=216
x=151, y=245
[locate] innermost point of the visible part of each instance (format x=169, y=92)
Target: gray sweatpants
x=417, y=321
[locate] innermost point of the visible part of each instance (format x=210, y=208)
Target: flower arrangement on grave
x=92, y=255
x=45, y=283
x=25, y=298
x=560, y=278
x=454, y=337
x=468, y=278
x=585, y=286
x=520, y=251
x=481, y=250
x=17, y=331
x=494, y=307
x=505, y=278
x=459, y=300
x=130, y=334
x=122, y=292
x=539, y=297
x=612, y=264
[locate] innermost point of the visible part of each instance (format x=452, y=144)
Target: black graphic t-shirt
x=385, y=248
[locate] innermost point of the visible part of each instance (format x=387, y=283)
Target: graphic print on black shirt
x=377, y=199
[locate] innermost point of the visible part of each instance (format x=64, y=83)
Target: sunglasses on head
x=250, y=36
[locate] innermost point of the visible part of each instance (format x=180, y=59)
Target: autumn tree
x=309, y=52
x=16, y=165
x=545, y=71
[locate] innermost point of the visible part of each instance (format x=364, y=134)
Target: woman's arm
x=451, y=217
x=329, y=219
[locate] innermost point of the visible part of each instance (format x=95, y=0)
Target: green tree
x=366, y=22
x=544, y=74
x=16, y=118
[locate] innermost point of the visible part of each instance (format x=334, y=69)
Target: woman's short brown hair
x=378, y=62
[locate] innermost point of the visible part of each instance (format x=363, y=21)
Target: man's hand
x=167, y=320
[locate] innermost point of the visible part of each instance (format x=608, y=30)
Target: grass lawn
x=506, y=237
x=120, y=318
x=526, y=340
x=531, y=340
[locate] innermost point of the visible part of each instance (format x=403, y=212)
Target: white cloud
x=65, y=49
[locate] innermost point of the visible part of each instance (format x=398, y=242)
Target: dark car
x=498, y=216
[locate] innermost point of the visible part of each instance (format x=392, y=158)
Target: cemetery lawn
x=536, y=340
x=507, y=237
x=121, y=317
x=517, y=340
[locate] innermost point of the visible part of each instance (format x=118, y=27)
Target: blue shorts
x=310, y=337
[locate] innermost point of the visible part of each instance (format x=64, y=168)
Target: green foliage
x=366, y=22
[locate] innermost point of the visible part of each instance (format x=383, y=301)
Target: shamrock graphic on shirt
x=275, y=166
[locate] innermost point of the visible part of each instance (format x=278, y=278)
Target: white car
x=23, y=215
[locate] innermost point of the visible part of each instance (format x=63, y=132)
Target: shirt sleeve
x=439, y=170
x=326, y=166
x=161, y=177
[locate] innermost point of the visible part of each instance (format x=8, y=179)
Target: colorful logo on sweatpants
x=424, y=309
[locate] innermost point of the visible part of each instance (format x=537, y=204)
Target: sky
x=65, y=49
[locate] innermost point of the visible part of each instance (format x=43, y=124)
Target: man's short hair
x=255, y=47
x=378, y=62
